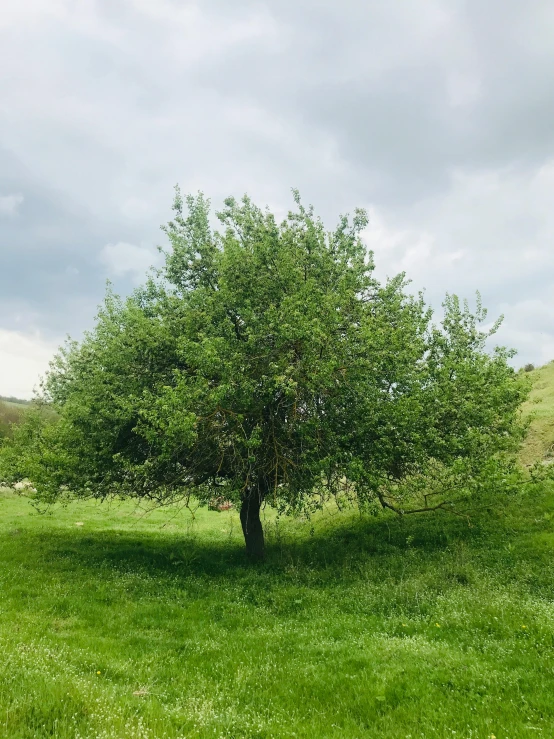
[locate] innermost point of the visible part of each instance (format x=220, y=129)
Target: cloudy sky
x=437, y=116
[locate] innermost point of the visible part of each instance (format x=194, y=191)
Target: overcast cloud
x=436, y=116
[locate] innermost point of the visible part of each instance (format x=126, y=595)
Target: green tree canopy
x=265, y=362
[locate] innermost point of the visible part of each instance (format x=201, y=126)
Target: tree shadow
x=338, y=548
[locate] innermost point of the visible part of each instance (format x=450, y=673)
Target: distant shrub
x=529, y=367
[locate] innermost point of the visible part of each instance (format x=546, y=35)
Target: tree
x=266, y=363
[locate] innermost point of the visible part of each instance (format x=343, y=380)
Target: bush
x=529, y=367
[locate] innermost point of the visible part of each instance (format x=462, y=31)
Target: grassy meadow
x=540, y=439
x=117, y=623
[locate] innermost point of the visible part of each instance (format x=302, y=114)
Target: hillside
x=10, y=400
x=10, y=412
x=539, y=444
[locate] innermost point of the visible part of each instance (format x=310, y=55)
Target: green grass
x=540, y=440
x=353, y=628
x=146, y=626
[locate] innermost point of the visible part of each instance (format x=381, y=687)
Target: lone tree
x=265, y=363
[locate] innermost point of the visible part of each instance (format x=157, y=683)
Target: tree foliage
x=265, y=362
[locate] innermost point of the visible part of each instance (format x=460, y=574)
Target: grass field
x=116, y=624
x=540, y=440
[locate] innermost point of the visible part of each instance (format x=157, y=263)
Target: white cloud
x=24, y=359
x=462, y=89
x=9, y=204
x=437, y=115
x=491, y=231
x=528, y=326
x=129, y=259
x=408, y=249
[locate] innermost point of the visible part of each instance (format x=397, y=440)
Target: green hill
x=10, y=412
x=11, y=400
x=539, y=444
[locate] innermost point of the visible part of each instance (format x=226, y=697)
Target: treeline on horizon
x=13, y=399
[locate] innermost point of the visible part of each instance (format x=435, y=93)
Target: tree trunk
x=252, y=525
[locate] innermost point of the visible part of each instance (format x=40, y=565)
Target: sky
x=435, y=116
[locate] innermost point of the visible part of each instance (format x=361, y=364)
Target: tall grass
x=10, y=413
